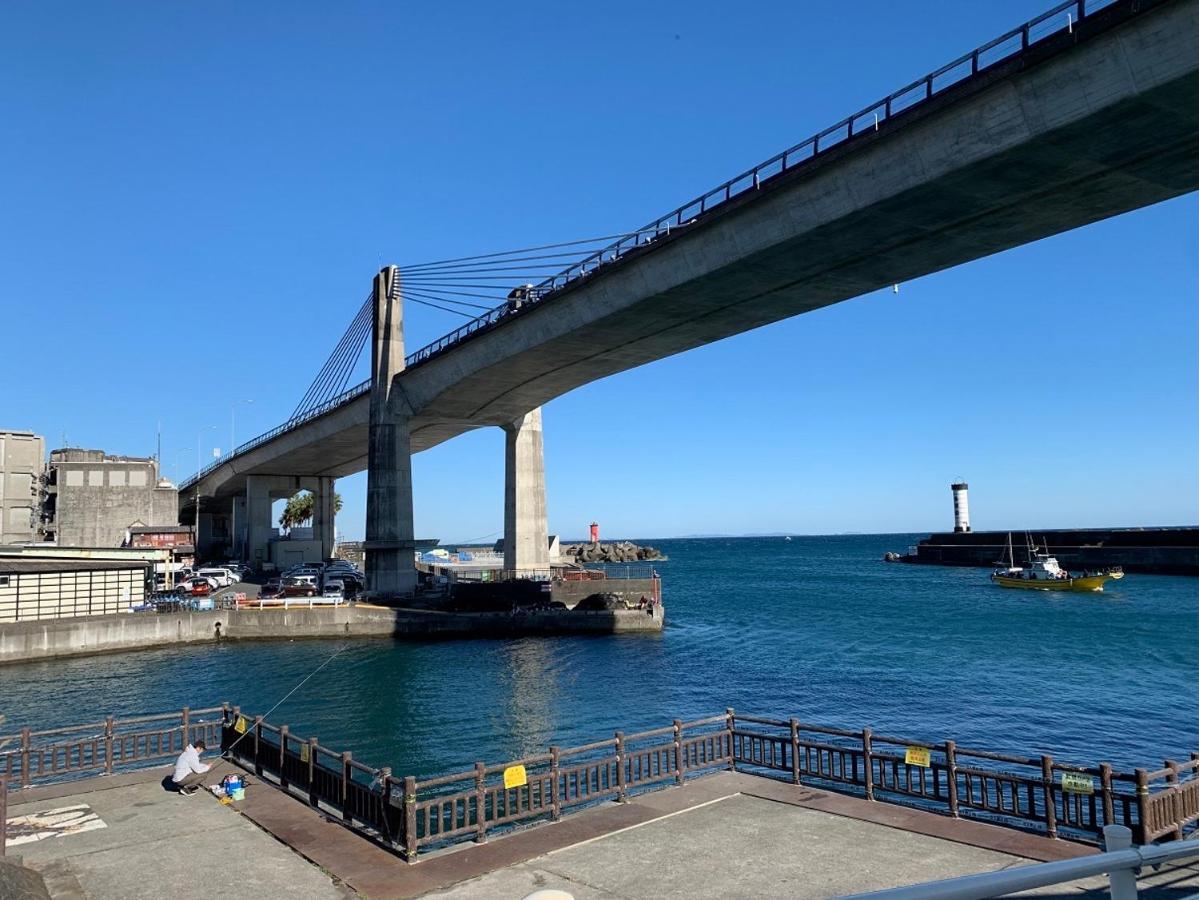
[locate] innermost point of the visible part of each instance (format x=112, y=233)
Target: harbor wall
x=1161, y=551
x=27, y=641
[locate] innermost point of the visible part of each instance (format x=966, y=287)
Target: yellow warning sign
x=303, y=753
x=240, y=725
x=916, y=756
x=1077, y=783
x=515, y=776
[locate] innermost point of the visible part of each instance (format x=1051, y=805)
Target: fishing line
x=288, y=694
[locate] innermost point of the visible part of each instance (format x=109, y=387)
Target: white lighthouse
x=961, y=507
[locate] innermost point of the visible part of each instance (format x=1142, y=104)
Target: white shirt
x=188, y=762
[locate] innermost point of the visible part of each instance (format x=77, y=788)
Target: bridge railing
x=1063, y=18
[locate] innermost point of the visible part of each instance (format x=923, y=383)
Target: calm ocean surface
x=818, y=628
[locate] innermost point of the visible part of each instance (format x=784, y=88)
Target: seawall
x=1161, y=551
x=56, y=638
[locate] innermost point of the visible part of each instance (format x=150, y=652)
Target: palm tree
x=299, y=509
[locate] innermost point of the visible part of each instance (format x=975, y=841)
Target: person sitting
x=189, y=771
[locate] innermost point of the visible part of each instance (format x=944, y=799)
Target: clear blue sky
x=194, y=197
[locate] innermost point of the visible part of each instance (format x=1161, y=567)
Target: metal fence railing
x=411, y=814
x=113, y=745
x=1068, y=23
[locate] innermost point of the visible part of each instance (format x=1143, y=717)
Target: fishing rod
x=304, y=681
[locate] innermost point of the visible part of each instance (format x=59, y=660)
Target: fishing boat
x=1044, y=573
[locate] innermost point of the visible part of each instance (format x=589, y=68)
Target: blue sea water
x=818, y=627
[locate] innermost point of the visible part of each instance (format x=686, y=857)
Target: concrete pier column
x=526, y=528
x=323, y=525
x=390, y=542
x=259, y=525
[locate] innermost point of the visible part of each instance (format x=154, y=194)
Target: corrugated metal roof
x=25, y=565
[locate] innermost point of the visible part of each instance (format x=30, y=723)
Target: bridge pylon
x=526, y=529
x=390, y=544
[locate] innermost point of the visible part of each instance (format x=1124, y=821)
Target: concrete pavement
x=745, y=846
x=157, y=844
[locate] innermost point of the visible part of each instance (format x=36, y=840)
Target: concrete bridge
x=1088, y=111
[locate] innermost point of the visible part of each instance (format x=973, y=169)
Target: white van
x=222, y=577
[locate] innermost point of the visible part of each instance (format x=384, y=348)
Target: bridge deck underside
x=1108, y=127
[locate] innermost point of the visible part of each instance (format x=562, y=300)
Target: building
x=22, y=458
x=93, y=499
x=33, y=588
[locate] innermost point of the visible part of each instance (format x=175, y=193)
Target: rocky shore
x=620, y=552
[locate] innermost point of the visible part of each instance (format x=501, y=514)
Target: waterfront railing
x=413, y=815
x=29, y=758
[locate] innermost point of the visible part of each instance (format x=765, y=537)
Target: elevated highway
x=1055, y=126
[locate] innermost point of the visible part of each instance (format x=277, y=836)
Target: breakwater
x=27, y=641
x=1161, y=551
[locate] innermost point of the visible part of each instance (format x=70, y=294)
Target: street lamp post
x=177, y=452
x=232, y=423
x=199, y=442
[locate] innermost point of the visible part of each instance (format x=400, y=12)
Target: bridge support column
x=390, y=540
x=261, y=492
x=323, y=526
x=526, y=529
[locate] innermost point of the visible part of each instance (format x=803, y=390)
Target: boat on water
x=1045, y=573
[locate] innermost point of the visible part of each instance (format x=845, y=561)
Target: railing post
x=312, y=798
x=25, y=747
x=480, y=803
x=283, y=732
x=868, y=762
x=794, y=750
x=410, y=819
x=1123, y=881
x=951, y=762
x=1142, y=806
x=3, y=814
x=1105, y=791
x=730, y=725
x=346, y=771
x=384, y=802
x=1047, y=791
x=678, y=751
x=555, y=795
x=236, y=716
x=185, y=719
x=1172, y=780
x=621, y=788
x=108, y=729
x=257, y=745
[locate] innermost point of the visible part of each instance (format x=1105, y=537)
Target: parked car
x=299, y=586
x=223, y=577
x=333, y=590
x=272, y=589
x=197, y=587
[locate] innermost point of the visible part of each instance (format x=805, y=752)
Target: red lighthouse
x=595, y=532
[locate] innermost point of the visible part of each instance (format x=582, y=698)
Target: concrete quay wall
x=29, y=641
